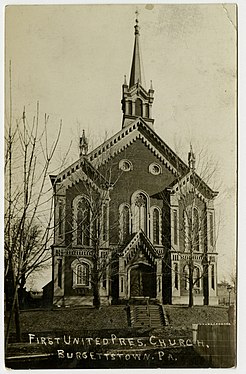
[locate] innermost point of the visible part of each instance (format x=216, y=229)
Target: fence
x=216, y=343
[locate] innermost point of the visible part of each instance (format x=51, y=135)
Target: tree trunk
x=21, y=292
x=96, y=282
x=96, y=294
x=17, y=320
x=190, y=287
x=96, y=300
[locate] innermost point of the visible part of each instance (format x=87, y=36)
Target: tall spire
x=136, y=100
x=136, y=75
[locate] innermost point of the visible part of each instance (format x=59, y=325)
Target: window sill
x=80, y=286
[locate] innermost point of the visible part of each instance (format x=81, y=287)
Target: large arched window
x=82, y=213
x=196, y=239
x=186, y=231
x=138, y=108
x=156, y=225
x=124, y=222
x=191, y=227
x=81, y=273
x=140, y=212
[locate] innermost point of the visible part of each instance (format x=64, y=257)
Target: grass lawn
x=184, y=316
x=111, y=318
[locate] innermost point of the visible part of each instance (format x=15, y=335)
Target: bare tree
x=28, y=201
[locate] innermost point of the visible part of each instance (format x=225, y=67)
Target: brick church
x=132, y=220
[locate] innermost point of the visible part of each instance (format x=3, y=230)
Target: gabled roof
x=86, y=166
x=189, y=178
x=139, y=240
x=124, y=138
x=138, y=129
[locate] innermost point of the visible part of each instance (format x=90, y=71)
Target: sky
x=72, y=59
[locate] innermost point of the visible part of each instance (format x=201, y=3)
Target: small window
x=176, y=277
x=125, y=165
x=212, y=277
x=105, y=222
x=138, y=108
x=186, y=277
x=60, y=219
x=156, y=226
x=155, y=169
x=130, y=107
x=82, y=274
x=175, y=227
x=146, y=110
x=211, y=222
x=59, y=272
x=197, y=278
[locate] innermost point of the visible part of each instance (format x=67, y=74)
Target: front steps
x=150, y=316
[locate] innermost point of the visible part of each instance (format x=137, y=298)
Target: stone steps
x=147, y=316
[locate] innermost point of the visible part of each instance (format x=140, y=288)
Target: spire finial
x=83, y=145
x=136, y=25
x=191, y=158
x=125, y=82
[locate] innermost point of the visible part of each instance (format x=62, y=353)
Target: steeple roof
x=136, y=75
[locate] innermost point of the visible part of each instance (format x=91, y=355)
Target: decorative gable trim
x=118, y=144
x=186, y=182
x=132, y=247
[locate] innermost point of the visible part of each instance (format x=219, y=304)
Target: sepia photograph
x=120, y=186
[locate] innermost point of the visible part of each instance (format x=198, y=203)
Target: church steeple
x=136, y=101
x=136, y=75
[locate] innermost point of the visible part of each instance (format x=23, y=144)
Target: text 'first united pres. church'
x=132, y=220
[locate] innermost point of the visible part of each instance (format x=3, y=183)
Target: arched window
x=138, y=108
x=130, y=107
x=196, y=277
x=186, y=277
x=175, y=227
x=147, y=110
x=186, y=231
x=104, y=222
x=156, y=226
x=140, y=215
x=176, y=276
x=60, y=219
x=81, y=273
x=124, y=222
x=211, y=223
x=196, y=243
x=212, y=277
x=83, y=222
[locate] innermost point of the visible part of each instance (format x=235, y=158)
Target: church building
x=132, y=220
